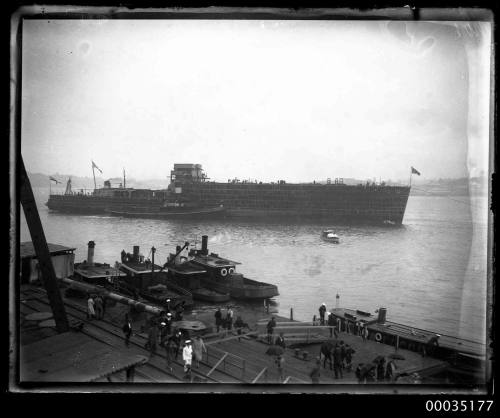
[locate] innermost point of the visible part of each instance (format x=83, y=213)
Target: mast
x=124, y=183
x=153, y=249
x=93, y=173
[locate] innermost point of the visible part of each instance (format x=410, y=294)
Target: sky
x=251, y=99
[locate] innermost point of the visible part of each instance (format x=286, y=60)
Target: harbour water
x=430, y=273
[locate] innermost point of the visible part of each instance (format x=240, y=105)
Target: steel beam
x=49, y=278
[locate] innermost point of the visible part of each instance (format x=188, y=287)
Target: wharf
x=409, y=335
x=229, y=358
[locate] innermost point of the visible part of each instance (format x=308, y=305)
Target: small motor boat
x=330, y=236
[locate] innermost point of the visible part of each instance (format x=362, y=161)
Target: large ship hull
x=335, y=202
x=339, y=203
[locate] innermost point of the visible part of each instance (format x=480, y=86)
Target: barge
x=466, y=356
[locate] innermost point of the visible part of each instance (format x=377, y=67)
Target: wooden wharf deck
x=154, y=371
x=230, y=358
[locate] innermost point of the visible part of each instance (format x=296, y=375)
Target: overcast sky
x=267, y=100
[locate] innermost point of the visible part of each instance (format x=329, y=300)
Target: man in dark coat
x=179, y=310
x=331, y=323
x=431, y=345
x=342, y=353
x=349, y=351
x=280, y=340
x=239, y=325
x=218, y=319
x=176, y=340
x=381, y=370
x=270, y=330
x=152, y=338
x=322, y=310
x=127, y=330
x=337, y=362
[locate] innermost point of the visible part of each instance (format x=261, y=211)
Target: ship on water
x=190, y=187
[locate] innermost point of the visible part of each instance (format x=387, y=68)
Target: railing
x=222, y=359
x=226, y=359
x=262, y=372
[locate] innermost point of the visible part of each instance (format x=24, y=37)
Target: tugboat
x=330, y=236
x=219, y=274
x=150, y=282
x=99, y=274
x=189, y=275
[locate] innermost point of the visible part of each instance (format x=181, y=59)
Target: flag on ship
x=415, y=171
x=95, y=165
x=53, y=179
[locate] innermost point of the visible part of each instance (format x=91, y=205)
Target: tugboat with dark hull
x=219, y=274
x=149, y=280
x=190, y=275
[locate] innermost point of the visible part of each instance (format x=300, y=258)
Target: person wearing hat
x=176, y=339
x=187, y=357
x=168, y=323
x=167, y=305
x=322, y=310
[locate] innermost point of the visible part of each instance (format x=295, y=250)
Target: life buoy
x=183, y=259
x=378, y=337
x=231, y=270
x=223, y=272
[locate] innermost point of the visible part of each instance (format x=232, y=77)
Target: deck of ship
x=412, y=334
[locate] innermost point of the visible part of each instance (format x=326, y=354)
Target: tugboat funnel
x=382, y=312
x=136, y=254
x=90, y=254
x=204, y=245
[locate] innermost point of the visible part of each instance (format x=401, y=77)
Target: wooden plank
x=231, y=338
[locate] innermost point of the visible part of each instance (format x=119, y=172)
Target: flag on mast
x=415, y=171
x=95, y=165
x=53, y=179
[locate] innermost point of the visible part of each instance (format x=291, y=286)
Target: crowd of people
x=227, y=323
x=174, y=342
x=342, y=355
